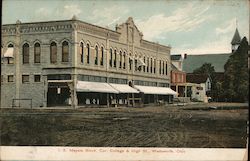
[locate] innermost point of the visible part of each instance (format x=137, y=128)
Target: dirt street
x=174, y=126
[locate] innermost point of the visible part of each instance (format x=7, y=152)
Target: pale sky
x=188, y=26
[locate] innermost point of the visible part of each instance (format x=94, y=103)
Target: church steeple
x=236, y=40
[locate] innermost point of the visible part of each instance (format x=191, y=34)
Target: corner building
x=73, y=63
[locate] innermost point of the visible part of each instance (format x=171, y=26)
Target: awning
x=83, y=86
x=155, y=90
x=123, y=88
x=9, y=53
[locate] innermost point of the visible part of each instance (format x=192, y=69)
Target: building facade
x=51, y=64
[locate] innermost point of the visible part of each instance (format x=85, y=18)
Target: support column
x=177, y=90
x=18, y=59
x=45, y=85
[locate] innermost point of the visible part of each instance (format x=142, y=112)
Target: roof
x=196, y=78
x=236, y=39
x=175, y=57
x=193, y=62
x=173, y=67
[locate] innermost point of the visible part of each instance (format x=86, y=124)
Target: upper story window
x=166, y=68
x=65, y=51
x=163, y=66
x=144, y=66
x=37, y=53
x=151, y=65
x=96, y=55
x=88, y=54
x=115, y=58
x=9, y=54
x=82, y=52
x=154, y=65
x=147, y=64
x=136, y=64
x=53, y=52
x=124, y=60
x=26, y=49
x=130, y=63
x=110, y=57
x=160, y=67
x=102, y=56
x=120, y=64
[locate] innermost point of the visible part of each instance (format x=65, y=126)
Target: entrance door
x=55, y=98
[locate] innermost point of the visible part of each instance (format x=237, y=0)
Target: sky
x=188, y=26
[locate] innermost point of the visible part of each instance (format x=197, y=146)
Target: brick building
x=75, y=63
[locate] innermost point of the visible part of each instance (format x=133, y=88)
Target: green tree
x=206, y=68
x=237, y=74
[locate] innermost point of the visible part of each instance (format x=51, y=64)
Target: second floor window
x=144, y=66
x=25, y=53
x=147, y=64
x=65, y=51
x=110, y=57
x=166, y=68
x=124, y=60
x=10, y=78
x=96, y=55
x=53, y=52
x=102, y=56
x=163, y=66
x=120, y=64
x=151, y=65
x=82, y=52
x=37, y=53
x=160, y=67
x=115, y=59
x=154, y=65
x=88, y=54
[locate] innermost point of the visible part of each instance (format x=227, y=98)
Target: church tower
x=235, y=41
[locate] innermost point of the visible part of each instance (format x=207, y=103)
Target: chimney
x=185, y=56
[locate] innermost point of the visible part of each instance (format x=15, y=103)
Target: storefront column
x=45, y=91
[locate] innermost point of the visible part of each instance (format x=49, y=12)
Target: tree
x=206, y=68
x=237, y=74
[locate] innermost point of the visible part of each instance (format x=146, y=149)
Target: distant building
x=192, y=62
x=74, y=63
x=177, y=61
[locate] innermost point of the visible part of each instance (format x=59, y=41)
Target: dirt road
x=128, y=127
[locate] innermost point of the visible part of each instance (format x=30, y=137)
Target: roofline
x=208, y=54
x=52, y=21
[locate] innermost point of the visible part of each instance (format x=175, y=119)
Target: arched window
x=151, y=65
x=102, y=56
x=82, y=52
x=26, y=53
x=10, y=60
x=53, y=52
x=120, y=66
x=144, y=66
x=10, y=46
x=136, y=68
x=115, y=58
x=65, y=51
x=160, y=67
x=154, y=65
x=88, y=54
x=124, y=60
x=147, y=64
x=110, y=57
x=166, y=68
x=163, y=66
x=37, y=53
x=96, y=55
x=130, y=62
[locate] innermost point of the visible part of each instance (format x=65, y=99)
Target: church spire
x=236, y=40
